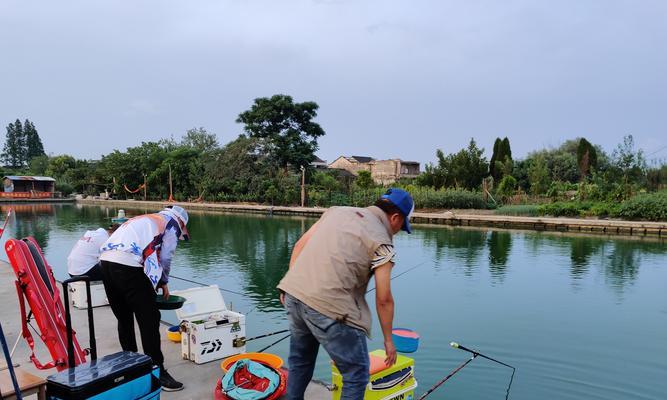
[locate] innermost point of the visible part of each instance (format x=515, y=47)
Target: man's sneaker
x=168, y=383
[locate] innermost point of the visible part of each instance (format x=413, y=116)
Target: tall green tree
x=285, y=128
x=495, y=157
x=33, y=143
x=469, y=166
x=501, y=159
x=587, y=158
x=13, y=153
x=629, y=161
x=538, y=175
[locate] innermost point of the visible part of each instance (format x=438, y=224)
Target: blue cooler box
x=123, y=375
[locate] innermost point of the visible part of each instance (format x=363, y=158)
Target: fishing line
x=273, y=344
x=203, y=284
x=402, y=273
x=437, y=385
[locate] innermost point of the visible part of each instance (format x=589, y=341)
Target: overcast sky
x=393, y=79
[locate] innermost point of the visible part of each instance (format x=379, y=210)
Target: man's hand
x=390, y=349
x=282, y=298
x=165, y=291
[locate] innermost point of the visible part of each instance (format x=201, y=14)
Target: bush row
x=648, y=206
x=425, y=198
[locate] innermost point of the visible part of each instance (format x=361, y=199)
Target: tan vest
x=332, y=272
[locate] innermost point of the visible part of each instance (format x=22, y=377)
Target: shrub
x=564, y=209
x=507, y=186
x=652, y=207
x=64, y=187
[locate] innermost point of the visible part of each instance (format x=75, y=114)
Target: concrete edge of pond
x=199, y=379
x=572, y=225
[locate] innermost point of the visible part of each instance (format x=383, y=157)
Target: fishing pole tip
x=454, y=345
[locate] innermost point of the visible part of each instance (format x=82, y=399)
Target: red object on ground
x=258, y=384
x=35, y=283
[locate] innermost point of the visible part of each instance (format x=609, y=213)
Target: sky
x=392, y=78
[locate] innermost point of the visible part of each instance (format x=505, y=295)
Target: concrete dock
x=457, y=218
x=199, y=380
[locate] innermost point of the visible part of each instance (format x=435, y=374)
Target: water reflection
x=581, y=252
x=464, y=245
x=500, y=245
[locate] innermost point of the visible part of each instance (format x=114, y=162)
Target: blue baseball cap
x=403, y=201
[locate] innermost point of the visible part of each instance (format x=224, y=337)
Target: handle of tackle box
x=68, y=320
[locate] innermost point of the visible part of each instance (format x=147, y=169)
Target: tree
x=495, y=157
x=538, y=175
x=587, y=158
x=33, y=144
x=507, y=186
x=59, y=165
x=38, y=165
x=237, y=172
x=469, y=167
x=629, y=161
x=200, y=140
x=507, y=150
x=13, y=154
x=286, y=130
x=364, y=180
x=501, y=159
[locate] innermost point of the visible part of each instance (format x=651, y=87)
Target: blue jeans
x=346, y=346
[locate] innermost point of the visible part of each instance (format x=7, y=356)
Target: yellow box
x=394, y=383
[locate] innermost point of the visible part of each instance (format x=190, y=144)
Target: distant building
x=352, y=164
x=318, y=163
x=382, y=171
x=27, y=186
x=385, y=172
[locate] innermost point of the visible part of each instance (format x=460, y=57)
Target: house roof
x=29, y=178
x=318, y=160
x=410, y=162
x=362, y=159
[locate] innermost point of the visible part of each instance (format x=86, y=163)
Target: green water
x=580, y=317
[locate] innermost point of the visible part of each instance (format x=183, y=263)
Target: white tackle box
x=78, y=296
x=208, y=329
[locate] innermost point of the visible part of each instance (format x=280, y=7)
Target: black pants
x=95, y=273
x=130, y=294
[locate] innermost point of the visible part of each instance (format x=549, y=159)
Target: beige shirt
x=332, y=271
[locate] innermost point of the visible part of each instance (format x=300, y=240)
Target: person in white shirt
x=136, y=261
x=84, y=259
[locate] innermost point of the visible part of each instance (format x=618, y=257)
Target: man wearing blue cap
x=324, y=290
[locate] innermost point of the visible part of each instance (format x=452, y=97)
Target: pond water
x=579, y=316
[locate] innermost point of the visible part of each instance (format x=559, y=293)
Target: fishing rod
x=274, y=343
x=437, y=385
x=477, y=353
x=203, y=284
x=242, y=341
x=402, y=273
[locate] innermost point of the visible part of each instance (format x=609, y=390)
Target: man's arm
x=384, y=304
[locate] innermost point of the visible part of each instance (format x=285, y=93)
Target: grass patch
x=519, y=210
